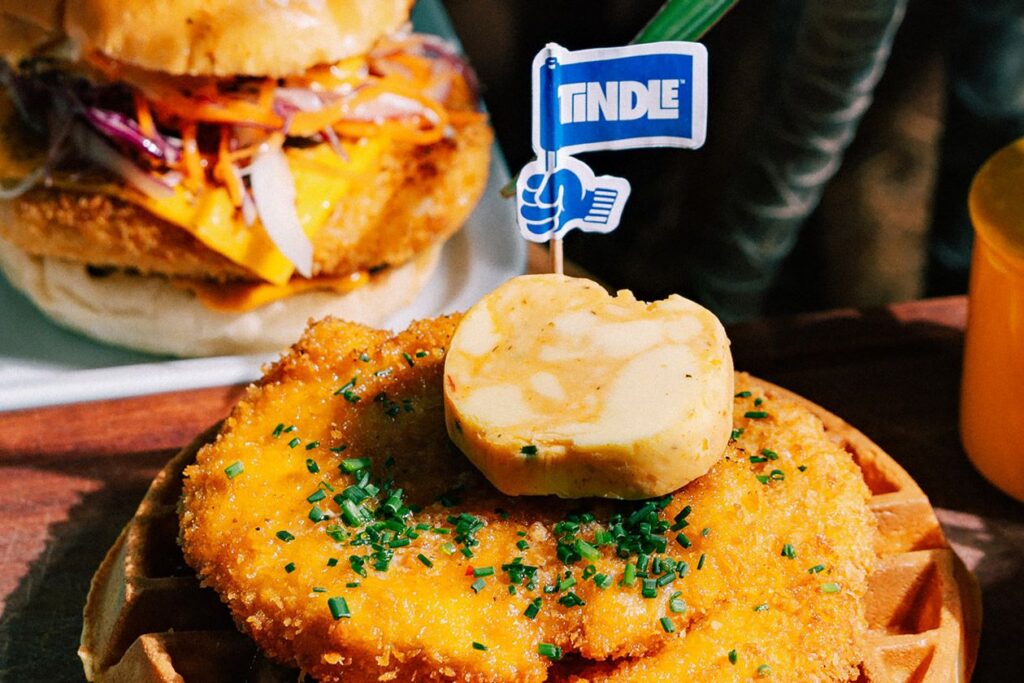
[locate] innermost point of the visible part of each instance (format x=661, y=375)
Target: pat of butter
x=552, y=386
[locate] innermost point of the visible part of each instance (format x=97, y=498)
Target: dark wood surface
x=71, y=476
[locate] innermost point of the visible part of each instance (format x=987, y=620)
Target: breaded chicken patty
x=351, y=539
x=415, y=196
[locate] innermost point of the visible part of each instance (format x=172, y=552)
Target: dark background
x=866, y=243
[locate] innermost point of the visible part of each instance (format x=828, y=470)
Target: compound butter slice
x=552, y=386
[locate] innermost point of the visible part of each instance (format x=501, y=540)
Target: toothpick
x=556, y=256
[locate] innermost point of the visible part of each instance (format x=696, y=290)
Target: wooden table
x=70, y=477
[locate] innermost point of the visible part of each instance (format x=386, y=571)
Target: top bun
x=222, y=37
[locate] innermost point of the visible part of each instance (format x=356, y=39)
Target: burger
x=200, y=178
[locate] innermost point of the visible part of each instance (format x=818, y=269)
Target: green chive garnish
x=234, y=469
x=743, y=394
x=364, y=357
x=802, y=468
x=310, y=446
x=483, y=571
x=736, y=433
x=777, y=475
x=629, y=577
x=311, y=464
x=789, y=551
x=733, y=657
x=350, y=465
x=770, y=454
x=587, y=551
x=476, y=645
x=421, y=354
x=289, y=429
x=533, y=608
x=763, y=607
x=332, y=562
x=408, y=359
x=316, y=496
x=290, y=567
x=700, y=562
x=522, y=545
x=602, y=581
x=764, y=671
x=552, y=652
x=352, y=584
x=285, y=536
x=338, y=607
x=758, y=401
x=319, y=589
x=666, y=623
x=649, y=589
x=448, y=548
x=830, y=588
x=316, y=514
x=755, y=459
x=816, y=568
x=683, y=540
x=755, y=414
x=278, y=429
x=676, y=603
x=425, y=560
x=528, y=450
x=478, y=585
x=294, y=442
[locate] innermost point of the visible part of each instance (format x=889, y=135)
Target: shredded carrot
x=225, y=171
x=143, y=114
x=193, y=162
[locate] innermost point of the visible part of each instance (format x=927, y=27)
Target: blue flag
x=650, y=95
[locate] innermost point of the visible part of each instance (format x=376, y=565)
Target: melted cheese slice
x=322, y=178
x=552, y=386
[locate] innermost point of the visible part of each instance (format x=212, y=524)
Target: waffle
x=148, y=620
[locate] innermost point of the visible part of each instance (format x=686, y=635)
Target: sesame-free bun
x=148, y=313
x=219, y=37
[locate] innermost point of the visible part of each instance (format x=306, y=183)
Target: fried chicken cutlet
x=350, y=538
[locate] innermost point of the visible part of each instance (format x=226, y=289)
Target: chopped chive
x=529, y=449
x=763, y=607
x=665, y=579
x=586, y=551
x=421, y=354
x=755, y=459
x=278, y=429
x=816, y=568
x=311, y=464
x=676, y=603
x=310, y=446
x=755, y=414
x=522, y=545
x=682, y=567
x=234, y=469
x=700, y=562
x=629, y=577
x=399, y=543
x=758, y=401
x=290, y=567
x=289, y=429
x=468, y=552
x=764, y=671
x=649, y=589
x=763, y=478
x=570, y=599
x=533, y=608
x=733, y=657
x=319, y=589
x=552, y=652
x=736, y=433
x=332, y=562
x=339, y=449
x=316, y=514
x=802, y=468
x=448, y=549
x=666, y=623
x=602, y=581
x=478, y=585
x=285, y=536
x=479, y=646
x=789, y=551
x=316, y=496
x=350, y=465
x=743, y=394
x=408, y=358
x=705, y=532
x=425, y=560
x=338, y=607
x=777, y=475
x=567, y=582
x=483, y=571
x=770, y=454
x=352, y=584
x=589, y=571
x=294, y=442
x=830, y=588
x=683, y=540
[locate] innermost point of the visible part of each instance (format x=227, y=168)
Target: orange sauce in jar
x=992, y=393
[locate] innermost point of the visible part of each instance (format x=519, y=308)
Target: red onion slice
x=94, y=148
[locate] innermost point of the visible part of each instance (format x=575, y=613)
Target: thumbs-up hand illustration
x=569, y=196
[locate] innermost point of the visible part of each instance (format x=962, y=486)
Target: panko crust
x=418, y=196
x=416, y=622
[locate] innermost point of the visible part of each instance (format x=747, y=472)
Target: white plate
x=42, y=364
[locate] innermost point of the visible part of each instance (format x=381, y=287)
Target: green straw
x=684, y=20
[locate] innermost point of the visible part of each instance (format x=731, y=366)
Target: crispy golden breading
x=418, y=196
x=347, y=386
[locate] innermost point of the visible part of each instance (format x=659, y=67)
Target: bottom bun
x=150, y=314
